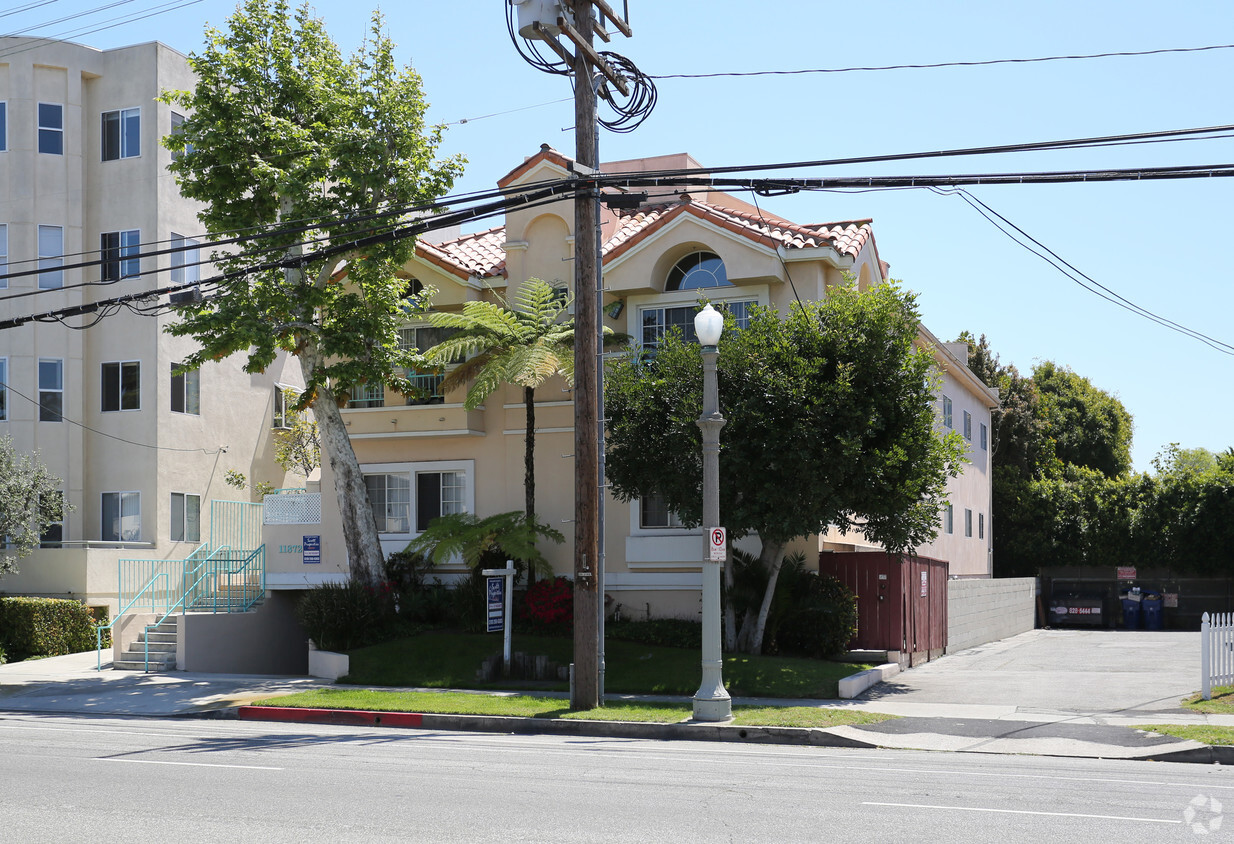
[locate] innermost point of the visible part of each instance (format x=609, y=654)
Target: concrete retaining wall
x=267, y=641
x=980, y=611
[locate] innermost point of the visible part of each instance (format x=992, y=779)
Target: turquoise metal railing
x=98, y=633
x=225, y=571
x=236, y=524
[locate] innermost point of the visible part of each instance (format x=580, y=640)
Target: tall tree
x=288, y=141
x=30, y=502
x=1089, y=426
x=830, y=421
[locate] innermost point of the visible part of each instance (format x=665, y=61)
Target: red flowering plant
x=548, y=607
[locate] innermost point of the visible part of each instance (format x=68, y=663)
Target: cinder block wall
x=980, y=611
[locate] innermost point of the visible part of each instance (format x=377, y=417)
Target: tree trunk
x=771, y=557
x=529, y=466
x=364, y=555
x=730, y=613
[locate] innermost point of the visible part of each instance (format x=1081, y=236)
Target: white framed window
x=653, y=512
x=177, y=126
x=185, y=517
x=4, y=126
x=406, y=497
x=4, y=254
x=985, y=437
x=968, y=426
x=185, y=266
x=119, y=253
x=282, y=414
x=4, y=389
x=51, y=128
x=51, y=257
x=968, y=522
x=185, y=390
x=121, y=134
x=656, y=321
x=51, y=389
x=53, y=533
x=121, y=521
x=949, y=519
x=981, y=525
x=947, y=418
x=121, y=385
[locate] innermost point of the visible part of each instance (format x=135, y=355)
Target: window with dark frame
x=121, y=385
x=51, y=128
x=185, y=390
x=121, y=134
x=120, y=255
x=185, y=517
x=121, y=517
x=51, y=389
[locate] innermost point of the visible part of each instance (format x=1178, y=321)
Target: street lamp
x=711, y=701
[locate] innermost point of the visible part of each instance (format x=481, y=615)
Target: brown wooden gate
x=901, y=602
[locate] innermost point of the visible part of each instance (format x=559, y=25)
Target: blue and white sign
x=496, y=604
x=311, y=550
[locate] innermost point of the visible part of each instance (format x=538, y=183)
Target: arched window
x=696, y=271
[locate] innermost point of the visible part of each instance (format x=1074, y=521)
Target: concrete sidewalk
x=71, y=685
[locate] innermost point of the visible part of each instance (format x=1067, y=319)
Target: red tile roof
x=481, y=254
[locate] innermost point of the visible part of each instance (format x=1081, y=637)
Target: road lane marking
x=187, y=764
x=1023, y=812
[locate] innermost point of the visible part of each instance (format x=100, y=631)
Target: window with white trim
x=185, y=267
x=985, y=437
x=949, y=519
x=51, y=389
x=121, y=385
x=4, y=254
x=653, y=512
x=4, y=389
x=422, y=338
x=121, y=134
x=406, y=497
x=120, y=255
x=968, y=522
x=185, y=517
x=51, y=257
x=283, y=415
x=947, y=418
x=51, y=128
x=121, y=521
x=177, y=126
x=968, y=426
x=658, y=321
x=185, y=390
x=697, y=271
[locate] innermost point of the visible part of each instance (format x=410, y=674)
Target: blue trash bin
x=1151, y=609
x=1131, y=614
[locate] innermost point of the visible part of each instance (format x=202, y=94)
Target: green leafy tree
x=285, y=135
x=30, y=501
x=830, y=421
x=486, y=542
x=1089, y=427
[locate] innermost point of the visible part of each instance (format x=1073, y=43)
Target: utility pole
x=579, y=23
x=586, y=691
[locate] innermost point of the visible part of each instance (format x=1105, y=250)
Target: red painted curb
x=349, y=717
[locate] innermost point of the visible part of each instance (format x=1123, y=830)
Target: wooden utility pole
x=586, y=689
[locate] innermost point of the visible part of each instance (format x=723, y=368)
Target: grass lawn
x=1222, y=702
x=1202, y=733
x=450, y=660
x=530, y=706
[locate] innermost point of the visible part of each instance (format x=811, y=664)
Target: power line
x=982, y=63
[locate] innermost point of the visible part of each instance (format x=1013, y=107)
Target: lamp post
x=711, y=701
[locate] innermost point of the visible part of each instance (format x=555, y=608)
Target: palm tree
x=524, y=344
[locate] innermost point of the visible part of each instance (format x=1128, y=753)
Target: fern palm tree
x=525, y=343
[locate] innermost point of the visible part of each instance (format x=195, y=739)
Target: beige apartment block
x=85, y=197
x=427, y=457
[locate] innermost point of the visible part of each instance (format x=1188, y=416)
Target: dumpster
x=1131, y=609
x=1150, y=608
x=1077, y=608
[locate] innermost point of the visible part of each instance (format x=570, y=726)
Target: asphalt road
x=78, y=778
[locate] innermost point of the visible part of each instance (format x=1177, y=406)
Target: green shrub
x=469, y=603
x=339, y=617
x=430, y=605
x=407, y=570
x=661, y=632
x=45, y=627
x=811, y=615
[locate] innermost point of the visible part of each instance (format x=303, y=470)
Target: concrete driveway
x=1081, y=671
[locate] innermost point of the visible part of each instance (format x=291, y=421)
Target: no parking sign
x=717, y=544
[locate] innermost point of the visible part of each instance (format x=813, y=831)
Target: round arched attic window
x=696, y=271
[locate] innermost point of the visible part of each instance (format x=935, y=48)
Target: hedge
x=45, y=627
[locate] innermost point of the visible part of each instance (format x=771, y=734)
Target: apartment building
x=86, y=202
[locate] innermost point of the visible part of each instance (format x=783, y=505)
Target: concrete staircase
x=162, y=650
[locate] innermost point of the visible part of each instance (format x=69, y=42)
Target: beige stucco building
x=428, y=458
x=85, y=198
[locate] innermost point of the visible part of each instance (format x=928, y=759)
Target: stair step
x=154, y=636
x=139, y=665
x=155, y=647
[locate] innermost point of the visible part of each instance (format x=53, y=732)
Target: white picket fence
x=1216, y=652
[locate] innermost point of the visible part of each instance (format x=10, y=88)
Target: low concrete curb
x=854, y=684
x=684, y=731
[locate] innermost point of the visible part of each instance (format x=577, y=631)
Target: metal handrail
x=98, y=632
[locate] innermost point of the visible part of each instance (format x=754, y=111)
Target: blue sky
x=1162, y=245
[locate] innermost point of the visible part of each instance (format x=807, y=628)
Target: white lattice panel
x=293, y=509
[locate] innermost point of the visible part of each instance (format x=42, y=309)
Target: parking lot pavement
x=1082, y=671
